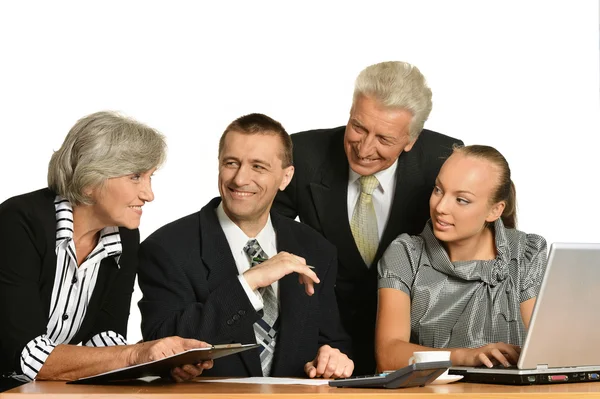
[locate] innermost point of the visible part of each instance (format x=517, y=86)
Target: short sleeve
x=399, y=264
x=533, y=266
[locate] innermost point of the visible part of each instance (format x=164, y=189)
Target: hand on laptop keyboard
x=488, y=355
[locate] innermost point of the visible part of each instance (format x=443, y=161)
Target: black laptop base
x=527, y=379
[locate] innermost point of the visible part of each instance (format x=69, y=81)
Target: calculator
x=415, y=375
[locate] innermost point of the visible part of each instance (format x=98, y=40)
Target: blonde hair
x=505, y=190
x=397, y=84
x=101, y=146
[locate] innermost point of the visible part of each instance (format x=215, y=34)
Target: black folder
x=163, y=366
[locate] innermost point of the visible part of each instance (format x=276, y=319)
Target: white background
x=520, y=75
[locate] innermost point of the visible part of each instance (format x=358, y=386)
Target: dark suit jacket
x=189, y=280
x=27, y=269
x=318, y=194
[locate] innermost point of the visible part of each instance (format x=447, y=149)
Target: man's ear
x=288, y=173
x=409, y=146
x=495, y=212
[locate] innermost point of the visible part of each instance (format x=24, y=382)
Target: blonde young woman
x=468, y=282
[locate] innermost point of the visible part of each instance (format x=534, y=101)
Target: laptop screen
x=563, y=331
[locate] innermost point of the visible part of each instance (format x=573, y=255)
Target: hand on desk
x=488, y=355
x=160, y=348
x=280, y=265
x=329, y=363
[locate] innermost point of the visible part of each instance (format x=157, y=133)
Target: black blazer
x=27, y=268
x=189, y=280
x=318, y=195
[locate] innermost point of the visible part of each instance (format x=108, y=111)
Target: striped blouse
x=465, y=304
x=71, y=293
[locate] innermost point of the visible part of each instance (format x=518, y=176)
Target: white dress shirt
x=382, y=196
x=237, y=240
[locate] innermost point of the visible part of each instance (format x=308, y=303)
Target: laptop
x=563, y=340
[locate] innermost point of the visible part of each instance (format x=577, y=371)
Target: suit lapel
x=294, y=306
x=408, y=178
x=218, y=259
x=48, y=217
x=330, y=197
x=215, y=251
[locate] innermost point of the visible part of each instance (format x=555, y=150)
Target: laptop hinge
x=542, y=367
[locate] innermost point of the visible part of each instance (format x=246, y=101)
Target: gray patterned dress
x=465, y=304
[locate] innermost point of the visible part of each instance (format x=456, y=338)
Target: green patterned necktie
x=364, y=220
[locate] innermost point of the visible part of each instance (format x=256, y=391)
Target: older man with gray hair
x=363, y=184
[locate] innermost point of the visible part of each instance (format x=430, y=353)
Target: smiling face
x=119, y=201
x=375, y=136
x=460, y=204
x=250, y=174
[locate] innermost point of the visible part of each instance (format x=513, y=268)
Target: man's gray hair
x=101, y=146
x=400, y=85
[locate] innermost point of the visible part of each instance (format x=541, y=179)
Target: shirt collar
x=64, y=219
x=110, y=239
x=238, y=239
x=491, y=271
x=385, y=177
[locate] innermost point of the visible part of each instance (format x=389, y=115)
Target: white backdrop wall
x=520, y=75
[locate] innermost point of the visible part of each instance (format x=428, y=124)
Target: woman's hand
x=161, y=348
x=488, y=355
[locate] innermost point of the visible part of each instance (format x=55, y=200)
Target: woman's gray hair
x=101, y=146
x=397, y=84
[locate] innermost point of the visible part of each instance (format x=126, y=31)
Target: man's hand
x=488, y=355
x=278, y=266
x=329, y=363
x=161, y=348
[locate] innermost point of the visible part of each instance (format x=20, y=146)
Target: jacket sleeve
x=331, y=331
x=21, y=308
x=178, y=299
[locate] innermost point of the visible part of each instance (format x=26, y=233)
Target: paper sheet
x=271, y=381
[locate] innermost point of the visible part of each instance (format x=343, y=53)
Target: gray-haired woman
x=68, y=258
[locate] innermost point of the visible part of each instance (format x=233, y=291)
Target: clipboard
x=163, y=366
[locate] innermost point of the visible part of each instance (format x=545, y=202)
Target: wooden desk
x=54, y=390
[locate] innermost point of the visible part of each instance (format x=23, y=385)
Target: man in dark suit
x=233, y=272
x=363, y=184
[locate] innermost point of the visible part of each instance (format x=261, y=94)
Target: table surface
x=158, y=389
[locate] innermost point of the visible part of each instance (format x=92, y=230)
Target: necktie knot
x=368, y=184
x=255, y=252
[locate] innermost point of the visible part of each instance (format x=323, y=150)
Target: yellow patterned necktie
x=364, y=220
